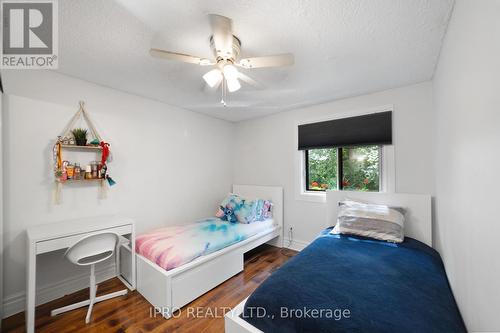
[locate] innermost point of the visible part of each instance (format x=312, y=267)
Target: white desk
x=55, y=236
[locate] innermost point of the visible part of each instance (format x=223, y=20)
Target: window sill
x=311, y=196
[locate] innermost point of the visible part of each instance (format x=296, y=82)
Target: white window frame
x=387, y=163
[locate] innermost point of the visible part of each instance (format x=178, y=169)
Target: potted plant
x=80, y=135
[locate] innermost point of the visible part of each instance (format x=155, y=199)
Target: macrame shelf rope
x=59, y=164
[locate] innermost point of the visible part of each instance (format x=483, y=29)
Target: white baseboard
x=295, y=244
x=16, y=303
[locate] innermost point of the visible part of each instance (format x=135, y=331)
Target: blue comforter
x=353, y=284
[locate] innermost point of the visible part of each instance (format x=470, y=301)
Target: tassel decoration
x=111, y=182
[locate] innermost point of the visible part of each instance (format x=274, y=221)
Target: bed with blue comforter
x=345, y=283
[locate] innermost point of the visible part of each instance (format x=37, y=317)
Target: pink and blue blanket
x=173, y=246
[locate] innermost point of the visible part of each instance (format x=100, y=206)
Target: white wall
x=467, y=103
x=266, y=150
x=171, y=165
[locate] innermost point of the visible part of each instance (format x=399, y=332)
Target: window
x=353, y=169
x=345, y=153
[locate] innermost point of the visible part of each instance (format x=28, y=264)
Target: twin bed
x=346, y=283
x=339, y=283
x=177, y=265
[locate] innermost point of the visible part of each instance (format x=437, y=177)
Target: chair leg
x=93, y=291
x=87, y=302
x=70, y=307
x=91, y=301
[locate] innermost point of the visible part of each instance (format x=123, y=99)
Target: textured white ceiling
x=342, y=48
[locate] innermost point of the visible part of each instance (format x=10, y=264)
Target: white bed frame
x=418, y=225
x=168, y=291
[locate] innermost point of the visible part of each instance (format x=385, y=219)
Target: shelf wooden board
x=75, y=147
x=69, y=181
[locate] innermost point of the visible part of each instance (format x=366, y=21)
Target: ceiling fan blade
x=247, y=79
x=207, y=89
x=222, y=34
x=278, y=60
x=157, y=53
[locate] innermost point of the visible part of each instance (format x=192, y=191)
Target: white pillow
x=370, y=220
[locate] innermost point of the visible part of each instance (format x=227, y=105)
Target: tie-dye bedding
x=171, y=247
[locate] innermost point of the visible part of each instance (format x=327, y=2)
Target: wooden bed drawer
x=197, y=281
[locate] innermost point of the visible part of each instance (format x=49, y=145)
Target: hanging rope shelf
x=75, y=139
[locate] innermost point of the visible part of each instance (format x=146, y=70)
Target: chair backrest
x=92, y=249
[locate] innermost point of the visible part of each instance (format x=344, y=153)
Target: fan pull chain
x=223, y=92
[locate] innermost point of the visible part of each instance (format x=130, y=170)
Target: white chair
x=88, y=251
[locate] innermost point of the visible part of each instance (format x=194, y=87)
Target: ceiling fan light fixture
x=230, y=72
x=213, y=77
x=233, y=84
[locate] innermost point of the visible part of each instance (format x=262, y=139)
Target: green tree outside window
x=360, y=169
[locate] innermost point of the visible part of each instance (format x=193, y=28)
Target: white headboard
x=418, y=223
x=273, y=193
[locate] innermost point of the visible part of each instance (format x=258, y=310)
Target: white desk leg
x=30, y=288
x=117, y=259
x=131, y=281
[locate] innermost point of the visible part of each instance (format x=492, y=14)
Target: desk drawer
x=65, y=242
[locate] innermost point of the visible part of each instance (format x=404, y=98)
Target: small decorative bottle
x=77, y=171
x=64, y=173
x=70, y=170
x=88, y=172
x=94, y=168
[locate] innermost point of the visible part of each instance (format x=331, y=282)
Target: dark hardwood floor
x=132, y=313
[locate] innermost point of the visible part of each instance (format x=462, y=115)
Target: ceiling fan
x=226, y=48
